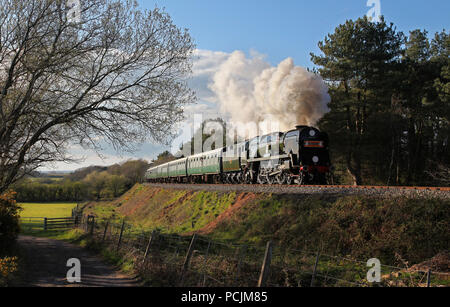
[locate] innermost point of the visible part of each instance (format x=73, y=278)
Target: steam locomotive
x=299, y=156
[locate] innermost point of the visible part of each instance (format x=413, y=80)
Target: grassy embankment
x=389, y=229
x=356, y=226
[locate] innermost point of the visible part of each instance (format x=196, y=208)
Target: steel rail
x=362, y=187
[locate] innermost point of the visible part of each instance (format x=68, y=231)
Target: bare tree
x=117, y=74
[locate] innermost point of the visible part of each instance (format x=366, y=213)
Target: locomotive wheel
x=280, y=178
x=236, y=178
x=239, y=178
x=270, y=179
x=249, y=175
x=301, y=179
x=246, y=178
x=261, y=179
x=289, y=180
x=233, y=178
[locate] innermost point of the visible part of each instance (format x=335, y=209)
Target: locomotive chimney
x=301, y=127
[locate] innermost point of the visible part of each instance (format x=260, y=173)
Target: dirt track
x=46, y=266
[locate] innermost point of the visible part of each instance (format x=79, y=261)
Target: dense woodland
x=389, y=114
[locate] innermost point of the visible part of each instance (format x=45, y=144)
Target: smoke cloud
x=251, y=90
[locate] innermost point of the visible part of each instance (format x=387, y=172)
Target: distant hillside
x=359, y=226
x=51, y=174
x=89, y=183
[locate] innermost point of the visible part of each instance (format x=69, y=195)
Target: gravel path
x=280, y=189
x=46, y=266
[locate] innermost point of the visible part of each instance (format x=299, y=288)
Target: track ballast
x=391, y=191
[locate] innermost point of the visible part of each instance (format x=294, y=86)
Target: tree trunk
x=354, y=169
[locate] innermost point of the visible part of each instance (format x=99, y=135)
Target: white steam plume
x=250, y=90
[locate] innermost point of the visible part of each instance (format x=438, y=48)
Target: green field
x=49, y=210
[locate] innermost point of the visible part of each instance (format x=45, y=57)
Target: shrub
x=8, y=266
x=9, y=220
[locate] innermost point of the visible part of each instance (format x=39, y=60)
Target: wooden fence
x=35, y=224
x=63, y=223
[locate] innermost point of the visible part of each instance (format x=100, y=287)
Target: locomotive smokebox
x=301, y=127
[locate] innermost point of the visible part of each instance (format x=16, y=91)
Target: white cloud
x=205, y=66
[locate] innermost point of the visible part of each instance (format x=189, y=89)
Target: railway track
x=438, y=192
x=368, y=187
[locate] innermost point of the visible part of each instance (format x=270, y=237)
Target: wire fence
x=196, y=261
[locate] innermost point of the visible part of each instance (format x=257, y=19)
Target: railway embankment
x=400, y=229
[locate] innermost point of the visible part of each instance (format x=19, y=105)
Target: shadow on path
x=46, y=261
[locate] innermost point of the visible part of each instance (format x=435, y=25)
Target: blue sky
x=289, y=28
x=275, y=29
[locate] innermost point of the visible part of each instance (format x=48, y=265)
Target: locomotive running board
x=268, y=158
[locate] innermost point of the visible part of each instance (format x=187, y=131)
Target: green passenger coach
x=207, y=163
x=177, y=169
x=212, y=162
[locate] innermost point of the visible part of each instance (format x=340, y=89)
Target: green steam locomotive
x=300, y=156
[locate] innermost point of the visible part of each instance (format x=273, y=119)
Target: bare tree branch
x=117, y=75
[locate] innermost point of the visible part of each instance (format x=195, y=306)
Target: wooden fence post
x=205, y=263
x=104, y=232
x=315, y=269
x=429, y=278
x=92, y=225
x=45, y=223
x=149, y=245
x=120, y=236
x=177, y=247
x=264, y=276
x=187, y=260
x=241, y=255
